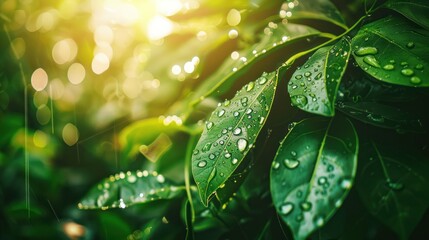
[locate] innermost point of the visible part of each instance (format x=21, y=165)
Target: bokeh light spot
x=64, y=51
x=100, y=63
x=76, y=73
x=43, y=115
x=39, y=79
x=233, y=18
x=40, y=139
x=70, y=134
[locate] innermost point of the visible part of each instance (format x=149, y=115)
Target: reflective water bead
x=415, y=80
x=366, y=51
x=291, y=163
x=242, y=144
x=286, y=208
x=407, y=72
x=237, y=131
x=371, y=60
x=221, y=113
x=209, y=125
x=250, y=86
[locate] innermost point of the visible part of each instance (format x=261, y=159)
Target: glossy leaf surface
x=230, y=133
x=393, y=50
x=393, y=186
x=382, y=115
x=358, y=86
x=314, y=86
x=125, y=189
x=415, y=10
x=315, y=9
x=278, y=38
x=313, y=171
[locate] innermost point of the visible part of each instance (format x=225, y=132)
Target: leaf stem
x=292, y=59
x=187, y=174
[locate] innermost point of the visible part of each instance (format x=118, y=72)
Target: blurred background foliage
x=74, y=74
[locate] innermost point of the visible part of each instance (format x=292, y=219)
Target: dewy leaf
x=313, y=87
x=393, y=50
x=382, y=115
x=313, y=171
x=358, y=86
x=230, y=133
x=415, y=10
x=279, y=36
x=313, y=9
x=125, y=189
x=393, y=186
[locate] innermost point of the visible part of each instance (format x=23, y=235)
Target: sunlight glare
x=159, y=27
x=168, y=7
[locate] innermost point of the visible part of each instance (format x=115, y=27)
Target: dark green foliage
x=298, y=126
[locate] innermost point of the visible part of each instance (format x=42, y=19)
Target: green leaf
x=126, y=189
x=314, y=9
x=230, y=133
x=153, y=138
x=230, y=187
x=313, y=87
x=415, y=10
x=358, y=86
x=382, y=115
x=313, y=171
x=277, y=38
x=393, y=50
x=393, y=186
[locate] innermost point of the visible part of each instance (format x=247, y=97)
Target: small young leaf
x=416, y=10
x=314, y=9
x=230, y=133
x=313, y=171
x=280, y=36
x=155, y=138
x=393, y=50
x=125, y=189
x=382, y=115
x=313, y=87
x=393, y=186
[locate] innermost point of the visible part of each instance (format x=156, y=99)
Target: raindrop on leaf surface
x=242, y=144
x=286, y=208
x=291, y=163
x=366, y=51
x=372, y=61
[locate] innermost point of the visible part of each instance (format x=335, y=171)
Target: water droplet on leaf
x=388, y=67
x=221, y=113
x=209, y=125
x=250, y=86
x=306, y=206
x=407, y=72
x=415, y=80
x=371, y=60
x=242, y=144
x=286, y=208
x=366, y=51
x=410, y=45
x=291, y=163
x=299, y=100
